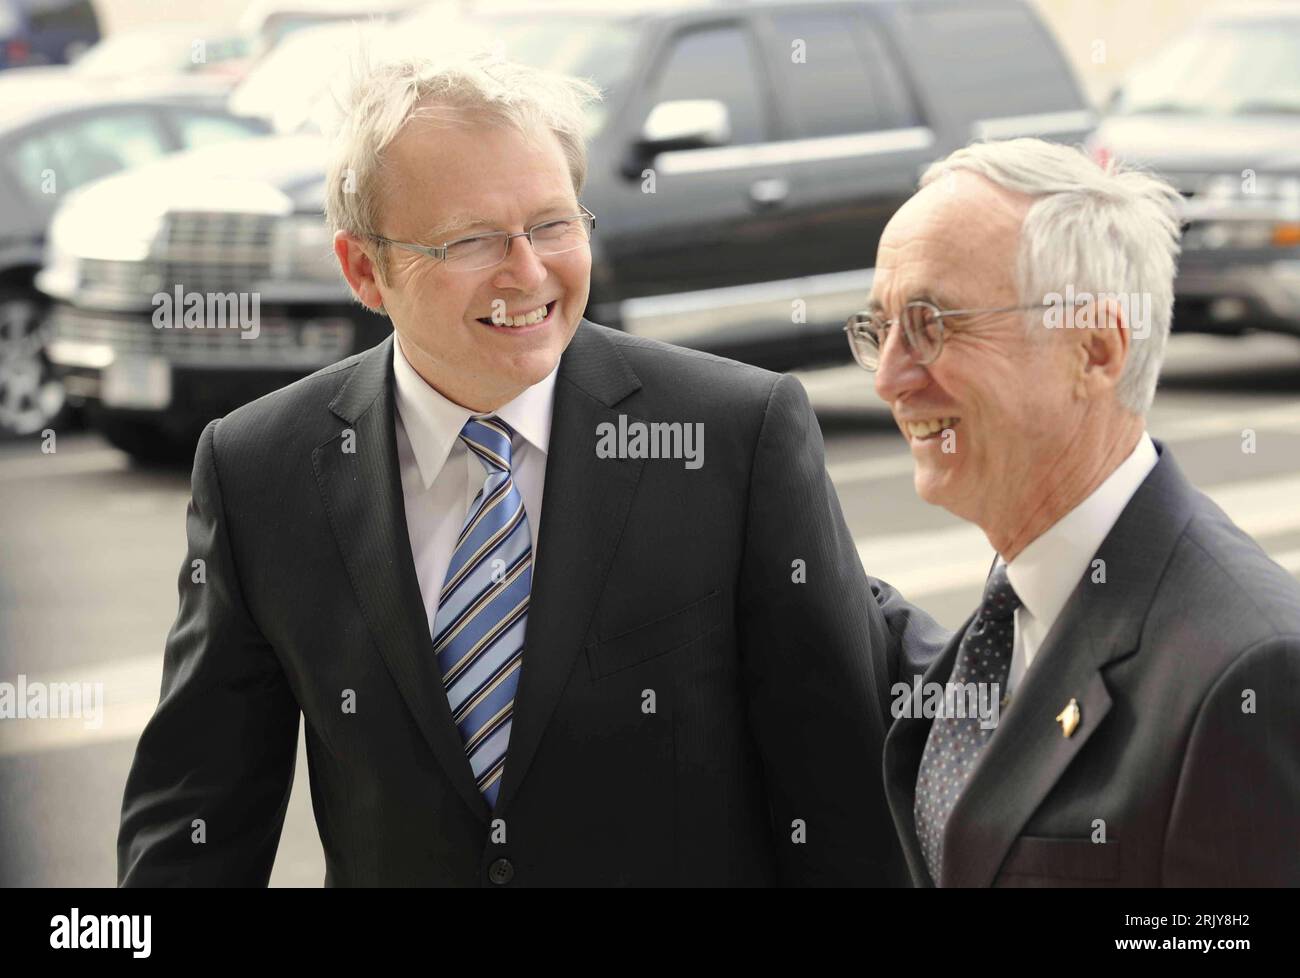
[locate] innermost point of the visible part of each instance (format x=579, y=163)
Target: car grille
x=198, y=250
x=280, y=342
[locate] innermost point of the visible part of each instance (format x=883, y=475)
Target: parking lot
x=93, y=546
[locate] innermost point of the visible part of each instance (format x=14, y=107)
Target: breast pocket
x=1037, y=860
x=655, y=638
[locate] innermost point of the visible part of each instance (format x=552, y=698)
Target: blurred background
x=743, y=164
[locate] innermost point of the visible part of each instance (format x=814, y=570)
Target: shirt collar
x=1047, y=571
x=433, y=423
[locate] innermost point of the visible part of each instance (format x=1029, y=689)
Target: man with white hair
x=1140, y=653
x=538, y=634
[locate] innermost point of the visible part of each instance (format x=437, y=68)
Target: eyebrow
x=455, y=225
x=924, y=295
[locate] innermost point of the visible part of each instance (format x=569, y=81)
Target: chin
x=934, y=486
x=525, y=371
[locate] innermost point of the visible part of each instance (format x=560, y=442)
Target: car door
x=853, y=144
x=691, y=222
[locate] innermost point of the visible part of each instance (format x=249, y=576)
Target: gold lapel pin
x=1069, y=717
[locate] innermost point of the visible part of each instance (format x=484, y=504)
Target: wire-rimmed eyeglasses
x=551, y=237
x=923, y=327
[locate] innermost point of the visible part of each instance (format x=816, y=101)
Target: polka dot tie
x=956, y=743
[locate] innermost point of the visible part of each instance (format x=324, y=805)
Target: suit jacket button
x=501, y=872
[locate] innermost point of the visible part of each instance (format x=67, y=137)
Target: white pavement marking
x=72, y=463
x=130, y=693
x=933, y=561
x=1290, y=560
x=918, y=564
x=870, y=469
x=1285, y=418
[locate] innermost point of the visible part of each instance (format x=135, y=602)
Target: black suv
x=743, y=165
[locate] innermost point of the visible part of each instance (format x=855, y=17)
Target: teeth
x=536, y=316
x=924, y=429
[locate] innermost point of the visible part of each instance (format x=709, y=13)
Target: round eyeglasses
x=923, y=328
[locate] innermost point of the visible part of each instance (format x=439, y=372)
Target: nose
x=523, y=269
x=898, y=373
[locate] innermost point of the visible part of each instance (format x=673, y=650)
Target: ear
x=1103, y=335
x=359, y=269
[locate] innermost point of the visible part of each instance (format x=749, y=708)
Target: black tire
x=31, y=394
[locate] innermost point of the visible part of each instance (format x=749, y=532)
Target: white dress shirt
x=1047, y=571
x=441, y=477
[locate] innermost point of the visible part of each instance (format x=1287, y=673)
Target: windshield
x=299, y=85
x=596, y=48
x=1225, y=68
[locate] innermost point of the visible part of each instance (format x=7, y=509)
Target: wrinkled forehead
x=953, y=242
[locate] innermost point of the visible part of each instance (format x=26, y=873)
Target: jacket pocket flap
x=654, y=638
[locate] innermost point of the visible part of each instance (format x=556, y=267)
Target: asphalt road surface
x=92, y=545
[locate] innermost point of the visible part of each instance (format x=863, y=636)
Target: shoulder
x=295, y=418
x=658, y=359
x=694, y=379
x=1258, y=598
x=1222, y=605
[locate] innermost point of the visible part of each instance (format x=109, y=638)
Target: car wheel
x=31, y=395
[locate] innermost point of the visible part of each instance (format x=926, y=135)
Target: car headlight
x=97, y=225
x=303, y=248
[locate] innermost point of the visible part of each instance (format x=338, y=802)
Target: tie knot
x=489, y=439
x=1000, y=598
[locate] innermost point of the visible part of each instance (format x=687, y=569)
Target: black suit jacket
x=1191, y=787
x=688, y=711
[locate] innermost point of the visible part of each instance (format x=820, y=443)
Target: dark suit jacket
x=656, y=586
x=1192, y=789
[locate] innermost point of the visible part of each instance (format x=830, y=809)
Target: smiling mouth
x=928, y=429
x=529, y=317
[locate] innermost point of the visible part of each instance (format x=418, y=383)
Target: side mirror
x=680, y=124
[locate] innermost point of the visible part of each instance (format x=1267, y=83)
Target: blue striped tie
x=478, y=633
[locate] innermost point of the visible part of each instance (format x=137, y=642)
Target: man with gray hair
x=1142, y=652
x=526, y=652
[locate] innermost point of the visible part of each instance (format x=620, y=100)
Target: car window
x=715, y=63
x=1232, y=68
x=990, y=60
x=44, y=15
x=29, y=162
x=9, y=21
x=197, y=129
x=85, y=150
x=835, y=76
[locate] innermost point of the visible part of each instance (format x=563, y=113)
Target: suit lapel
x=362, y=490
x=584, y=506
x=1100, y=625
x=1029, y=752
